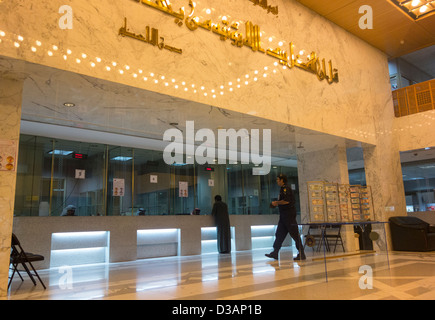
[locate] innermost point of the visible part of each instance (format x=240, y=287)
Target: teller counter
x=86, y=240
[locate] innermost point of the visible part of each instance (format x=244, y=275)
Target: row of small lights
x=366, y=134
x=238, y=82
x=255, y=76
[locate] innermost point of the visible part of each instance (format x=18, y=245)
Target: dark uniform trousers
x=287, y=224
x=287, y=220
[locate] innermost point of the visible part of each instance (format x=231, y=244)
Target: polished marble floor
x=244, y=275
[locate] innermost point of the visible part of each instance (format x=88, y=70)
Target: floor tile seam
x=269, y=290
x=400, y=291
x=272, y=283
x=228, y=283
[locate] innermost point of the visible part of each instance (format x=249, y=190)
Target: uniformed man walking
x=287, y=220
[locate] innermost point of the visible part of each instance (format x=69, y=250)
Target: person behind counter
x=69, y=211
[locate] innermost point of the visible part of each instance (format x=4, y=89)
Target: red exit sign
x=79, y=156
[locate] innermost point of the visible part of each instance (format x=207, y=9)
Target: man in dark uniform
x=222, y=220
x=287, y=220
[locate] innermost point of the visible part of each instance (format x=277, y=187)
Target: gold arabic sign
x=263, y=4
x=252, y=39
x=153, y=39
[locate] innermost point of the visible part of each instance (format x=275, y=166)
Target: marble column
x=10, y=116
x=322, y=158
x=384, y=175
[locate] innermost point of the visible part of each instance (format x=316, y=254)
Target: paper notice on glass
x=183, y=191
x=118, y=187
x=8, y=155
x=80, y=174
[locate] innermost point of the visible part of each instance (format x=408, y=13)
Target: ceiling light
x=179, y=164
x=120, y=158
x=416, y=9
x=60, y=152
x=69, y=104
x=423, y=9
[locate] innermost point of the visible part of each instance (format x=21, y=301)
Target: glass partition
x=418, y=171
x=151, y=183
x=100, y=179
x=32, y=196
x=119, y=181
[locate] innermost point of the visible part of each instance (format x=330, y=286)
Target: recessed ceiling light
x=121, y=158
x=69, y=104
x=60, y=152
x=416, y=9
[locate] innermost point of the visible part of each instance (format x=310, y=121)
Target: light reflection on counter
x=152, y=243
x=262, y=236
x=209, y=240
x=77, y=248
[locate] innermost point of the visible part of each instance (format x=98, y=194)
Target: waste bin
x=363, y=231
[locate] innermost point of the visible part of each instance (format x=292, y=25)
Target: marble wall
x=415, y=131
x=297, y=97
x=10, y=115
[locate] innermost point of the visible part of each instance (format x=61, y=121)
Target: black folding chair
x=25, y=259
x=335, y=233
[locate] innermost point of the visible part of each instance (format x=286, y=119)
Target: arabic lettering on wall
x=230, y=31
x=263, y=4
x=152, y=38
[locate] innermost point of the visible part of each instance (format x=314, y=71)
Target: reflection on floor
x=241, y=275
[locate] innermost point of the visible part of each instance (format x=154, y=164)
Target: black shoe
x=300, y=257
x=273, y=255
